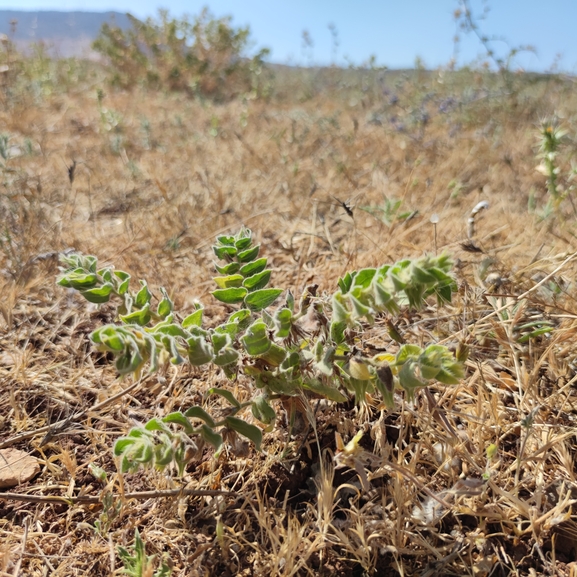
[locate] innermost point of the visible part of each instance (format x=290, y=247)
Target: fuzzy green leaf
x=98, y=295
x=143, y=296
x=407, y=352
x=233, y=280
x=200, y=413
x=364, y=277
x=106, y=274
x=165, y=306
x=226, y=356
x=226, y=394
x=169, y=329
x=224, y=252
x=275, y=355
x=408, y=379
x=109, y=338
x=211, y=437
x=360, y=310
x=79, y=280
x=194, y=319
x=338, y=331
x=283, y=322
x=249, y=254
x=200, y=352
x=179, y=419
x=445, y=293
x=225, y=240
x=325, y=364
x=124, y=278
x=257, y=281
x=346, y=282
x=243, y=243
x=240, y=317
x=163, y=456
x=262, y=410
x=422, y=276
x=261, y=299
x=156, y=424
x=141, y=317
x=131, y=359
x=340, y=311
x=398, y=283
x=291, y=361
x=253, y=267
x=121, y=445
x=256, y=340
x=228, y=269
x=245, y=429
x=230, y=295
x=220, y=340
x=384, y=299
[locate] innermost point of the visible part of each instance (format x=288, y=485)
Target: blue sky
x=395, y=31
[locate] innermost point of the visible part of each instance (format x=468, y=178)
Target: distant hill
x=64, y=33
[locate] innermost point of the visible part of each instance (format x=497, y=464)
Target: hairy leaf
x=245, y=429
x=249, y=254
x=179, y=418
x=262, y=410
x=253, y=267
x=98, y=295
x=230, y=295
x=261, y=299
x=256, y=340
x=226, y=394
x=257, y=281
x=194, y=319
x=200, y=413
x=233, y=280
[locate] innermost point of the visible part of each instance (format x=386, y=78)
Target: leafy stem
x=285, y=351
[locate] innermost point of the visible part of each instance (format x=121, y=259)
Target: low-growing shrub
x=289, y=352
x=207, y=56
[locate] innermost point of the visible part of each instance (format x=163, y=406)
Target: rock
x=16, y=467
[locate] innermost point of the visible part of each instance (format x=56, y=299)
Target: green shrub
x=206, y=56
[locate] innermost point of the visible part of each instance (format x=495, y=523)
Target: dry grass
x=150, y=194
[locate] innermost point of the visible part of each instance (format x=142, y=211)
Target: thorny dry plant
x=475, y=479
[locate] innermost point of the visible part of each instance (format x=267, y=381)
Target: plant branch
x=88, y=500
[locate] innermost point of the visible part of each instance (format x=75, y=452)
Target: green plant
x=111, y=506
x=205, y=57
x=551, y=137
x=389, y=212
x=289, y=353
x=137, y=563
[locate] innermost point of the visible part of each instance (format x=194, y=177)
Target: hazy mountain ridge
x=66, y=33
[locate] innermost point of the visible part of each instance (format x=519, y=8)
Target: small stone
x=16, y=467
